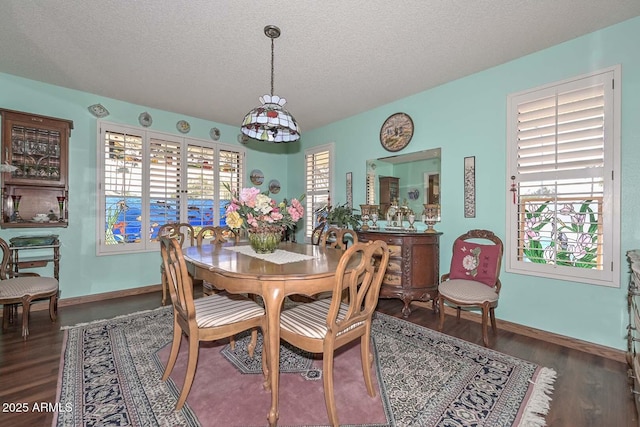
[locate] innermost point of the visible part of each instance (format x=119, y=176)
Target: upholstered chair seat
x=467, y=291
x=20, y=286
x=224, y=309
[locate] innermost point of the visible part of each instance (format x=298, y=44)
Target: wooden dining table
x=239, y=270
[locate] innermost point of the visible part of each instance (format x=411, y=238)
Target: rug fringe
x=94, y=322
x=539, y=402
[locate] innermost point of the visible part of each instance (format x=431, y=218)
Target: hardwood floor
x=589, y=390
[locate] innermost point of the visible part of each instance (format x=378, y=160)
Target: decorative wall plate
x=396, y=132
x=242, y=138
x=256, y=177
x=183, y=126
x=98, y=110
x=145, y=119
x=274, y=186
x=214, y=133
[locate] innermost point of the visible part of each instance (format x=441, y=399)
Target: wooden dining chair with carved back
x=185, y=234
x=211, y=234
x=338, y=237
x=208, y=318
x=473, y=280
x=325, y=325
x=22, y=290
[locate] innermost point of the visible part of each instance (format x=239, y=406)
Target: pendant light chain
x=272, y=69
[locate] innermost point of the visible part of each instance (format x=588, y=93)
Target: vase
x=264, y=241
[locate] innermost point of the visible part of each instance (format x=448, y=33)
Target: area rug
x=110, y=375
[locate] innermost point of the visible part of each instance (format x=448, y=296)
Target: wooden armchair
x=474, y=278
x=182, y=232
x=204, y=319
x=325, y=325
x=23, y=290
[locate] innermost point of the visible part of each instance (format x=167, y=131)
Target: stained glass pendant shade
x=271, y=122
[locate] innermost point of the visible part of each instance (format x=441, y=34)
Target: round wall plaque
x=396, y=132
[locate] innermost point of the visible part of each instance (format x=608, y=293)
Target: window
x=563, y=154
x=147, y=179
x=318, y=184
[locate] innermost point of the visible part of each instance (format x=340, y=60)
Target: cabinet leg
x=406, y=309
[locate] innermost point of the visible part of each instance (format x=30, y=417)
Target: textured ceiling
x=335, y=58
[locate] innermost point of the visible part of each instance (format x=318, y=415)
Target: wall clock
x=396, y=132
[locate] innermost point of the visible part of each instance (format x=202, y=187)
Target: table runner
x=278, y=257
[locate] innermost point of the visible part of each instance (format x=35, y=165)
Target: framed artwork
x=470, y=187
x=349, y=189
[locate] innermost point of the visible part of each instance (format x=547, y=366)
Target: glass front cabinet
x=34, y=170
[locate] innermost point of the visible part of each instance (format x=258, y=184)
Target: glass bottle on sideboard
x=35, y=166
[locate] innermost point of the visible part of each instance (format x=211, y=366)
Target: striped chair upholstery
x=325, y=325
x=310, y=320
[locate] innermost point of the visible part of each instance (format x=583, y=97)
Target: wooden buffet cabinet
x=413, y=273
x=36, y=148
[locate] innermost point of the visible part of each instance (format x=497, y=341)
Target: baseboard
x=64, y=302
x=550, y=337
x=573, y=343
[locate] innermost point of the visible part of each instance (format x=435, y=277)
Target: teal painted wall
x=467, y=117
x=81, y=271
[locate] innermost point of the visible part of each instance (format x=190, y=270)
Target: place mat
x=278, y=257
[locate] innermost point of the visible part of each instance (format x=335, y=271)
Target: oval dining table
x=294, y=268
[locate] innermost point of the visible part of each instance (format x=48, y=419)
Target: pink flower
x=248, y=196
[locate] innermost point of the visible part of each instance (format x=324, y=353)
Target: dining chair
x=211, y=234
x=325, y=325
x=23, y=289
x=183, y=233
x=338, y=237
x=473, y=280
x=208, y=318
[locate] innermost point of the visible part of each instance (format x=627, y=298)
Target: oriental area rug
x=110, y=375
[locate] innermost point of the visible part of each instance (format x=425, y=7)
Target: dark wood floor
x=589, y=390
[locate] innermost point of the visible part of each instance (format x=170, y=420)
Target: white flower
x=263, y=204
x=469, y=262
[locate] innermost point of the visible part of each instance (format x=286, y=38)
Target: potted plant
x=343, y=216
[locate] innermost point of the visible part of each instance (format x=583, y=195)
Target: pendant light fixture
x=270, y=122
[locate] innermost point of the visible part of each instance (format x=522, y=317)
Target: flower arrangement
x=253, y=210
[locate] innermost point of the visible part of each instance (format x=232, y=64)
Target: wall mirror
x=411, y=179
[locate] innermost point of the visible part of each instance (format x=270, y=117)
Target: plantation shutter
x=165, y=183
x=122, y=187
x=317, y=186
x=200, y=194
x=230, y=171
x=560, y=178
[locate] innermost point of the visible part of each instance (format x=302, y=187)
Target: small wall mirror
x=411, y=179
